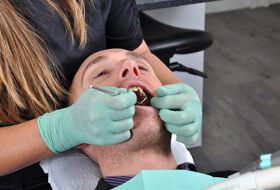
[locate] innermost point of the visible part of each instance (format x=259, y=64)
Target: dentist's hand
x=95, y=118
x=180, y=109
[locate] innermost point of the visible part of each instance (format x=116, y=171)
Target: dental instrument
x=103, y=90
x=112, y=93
x=265, y=161
x=260, y=179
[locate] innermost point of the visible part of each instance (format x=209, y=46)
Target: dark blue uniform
x=111, y=24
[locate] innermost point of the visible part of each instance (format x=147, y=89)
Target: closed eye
x=142, y=68
x=101, y=74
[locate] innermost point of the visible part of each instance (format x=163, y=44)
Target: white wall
x=228, y=5
x=189, y=16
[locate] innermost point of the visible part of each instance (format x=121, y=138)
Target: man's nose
x=128, y=68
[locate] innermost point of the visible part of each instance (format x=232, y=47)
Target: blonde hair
x=30, y=80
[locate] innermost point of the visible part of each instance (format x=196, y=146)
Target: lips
x=143, y=92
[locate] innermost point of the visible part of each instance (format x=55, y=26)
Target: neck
x=133, y=164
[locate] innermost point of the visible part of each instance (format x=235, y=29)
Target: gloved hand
x=95, y=118
x=180, y=109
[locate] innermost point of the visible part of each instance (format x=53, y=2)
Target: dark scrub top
x=112, y=24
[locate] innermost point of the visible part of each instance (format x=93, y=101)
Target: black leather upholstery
x=165, y=41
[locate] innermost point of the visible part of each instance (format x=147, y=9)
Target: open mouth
x=143, y=98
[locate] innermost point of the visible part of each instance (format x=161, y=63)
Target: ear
x=81, y=146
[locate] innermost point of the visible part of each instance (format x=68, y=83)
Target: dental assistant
x=43, y=43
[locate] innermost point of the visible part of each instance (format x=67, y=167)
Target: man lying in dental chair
x=149, y=145
x=149, y=154
x=154, y=115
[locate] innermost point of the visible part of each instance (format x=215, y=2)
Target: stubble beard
x=150, y=137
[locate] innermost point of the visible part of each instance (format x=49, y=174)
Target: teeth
x=140, y=90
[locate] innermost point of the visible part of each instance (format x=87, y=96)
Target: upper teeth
x=140, y=90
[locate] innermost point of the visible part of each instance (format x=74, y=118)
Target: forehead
x=111, y=54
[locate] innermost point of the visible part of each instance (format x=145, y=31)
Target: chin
x=148, y=133
x=146, y=114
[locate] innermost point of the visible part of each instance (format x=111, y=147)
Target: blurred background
x=241, y=110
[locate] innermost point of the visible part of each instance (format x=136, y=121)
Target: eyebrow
x=95, y=61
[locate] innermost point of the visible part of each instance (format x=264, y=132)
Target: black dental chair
x=165, y=41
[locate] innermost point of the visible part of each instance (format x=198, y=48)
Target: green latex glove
x=95, y=118
x=180, y=109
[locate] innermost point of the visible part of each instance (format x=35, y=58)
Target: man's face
x=115, y=67
x=123, y=69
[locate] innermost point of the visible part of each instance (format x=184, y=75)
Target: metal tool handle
x=103, y=90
